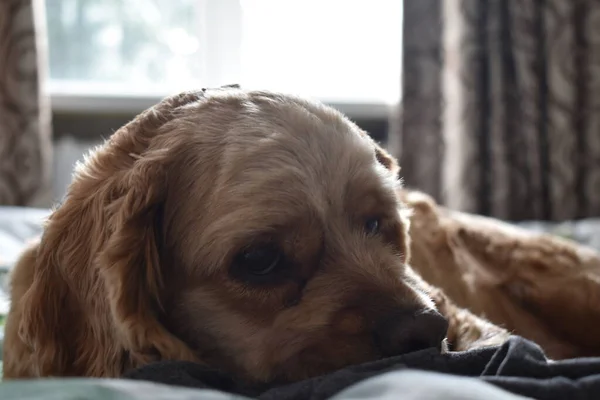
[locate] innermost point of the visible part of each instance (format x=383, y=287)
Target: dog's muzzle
x=403, y=332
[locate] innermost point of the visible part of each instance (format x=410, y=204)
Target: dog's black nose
x=405, y=332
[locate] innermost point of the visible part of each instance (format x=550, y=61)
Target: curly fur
x=132, y=266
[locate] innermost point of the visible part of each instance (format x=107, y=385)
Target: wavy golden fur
x=138, y=262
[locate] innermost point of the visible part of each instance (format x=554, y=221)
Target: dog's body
x=255, y=232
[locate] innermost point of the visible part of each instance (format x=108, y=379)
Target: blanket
x=412, y=384
x=518, y=366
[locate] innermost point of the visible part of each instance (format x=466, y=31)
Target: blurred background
x=490, y=105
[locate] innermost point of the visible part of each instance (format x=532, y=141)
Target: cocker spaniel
x=254, y=232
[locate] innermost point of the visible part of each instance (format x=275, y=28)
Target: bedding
x=18, y=226
x=516, y=370
x=518, y=366
x=413, y=385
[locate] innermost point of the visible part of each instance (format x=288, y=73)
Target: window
x=131, y=52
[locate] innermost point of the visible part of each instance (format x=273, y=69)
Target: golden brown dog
x=252, y=231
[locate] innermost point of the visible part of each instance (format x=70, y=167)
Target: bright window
x=345, y=51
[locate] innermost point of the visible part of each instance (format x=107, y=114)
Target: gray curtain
x=25, y=147
x=500, y=113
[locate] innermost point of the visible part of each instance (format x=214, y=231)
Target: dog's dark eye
x=372, y=226
x=259, y=261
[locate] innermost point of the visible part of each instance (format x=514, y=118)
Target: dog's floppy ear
x=96, y=285
x=131, y=267
x=384, y=158
x=388, y=161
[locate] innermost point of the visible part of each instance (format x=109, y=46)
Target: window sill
x=106, y=103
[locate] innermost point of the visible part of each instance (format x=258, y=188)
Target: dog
x=255, y=232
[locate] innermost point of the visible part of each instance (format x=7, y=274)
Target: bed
x=18, y=226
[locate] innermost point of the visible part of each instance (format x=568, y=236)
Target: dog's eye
x=259, y=260
x=372, y=226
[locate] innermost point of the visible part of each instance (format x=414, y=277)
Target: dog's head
x=260, y=232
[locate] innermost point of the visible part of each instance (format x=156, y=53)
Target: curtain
x=25, y=147
x=500, y=111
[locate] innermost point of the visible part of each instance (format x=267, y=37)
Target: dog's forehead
x=312, y=149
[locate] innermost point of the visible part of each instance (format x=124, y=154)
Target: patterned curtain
x=25, y=147
x=500, y=106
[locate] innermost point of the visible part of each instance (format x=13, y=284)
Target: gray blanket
x=405, y=385
x=518, y=366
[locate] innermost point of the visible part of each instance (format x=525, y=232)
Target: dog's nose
x=405, y=332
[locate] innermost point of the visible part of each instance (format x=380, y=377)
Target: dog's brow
x=369, y=200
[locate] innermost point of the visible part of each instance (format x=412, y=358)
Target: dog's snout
x=404, y=332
